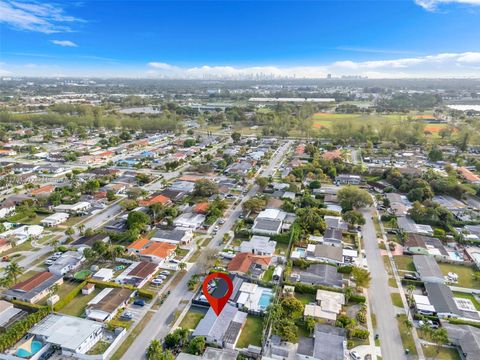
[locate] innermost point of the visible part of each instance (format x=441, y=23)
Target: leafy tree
x=236, y=136
x=13, y=270
x=205, y=188
x=291, y=305
x=310, y=324
x=262, y=182
x=353, y=217
x=435, y=155
x=155, y=352
x=286, y=329
x=137, y=220
x=196, y=346
x=351, y=197
x=254, y=205
x=362, y=277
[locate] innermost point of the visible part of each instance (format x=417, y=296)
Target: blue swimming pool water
x=300, y=250
x=36, y=346
x=265, y=299
x=455, y=256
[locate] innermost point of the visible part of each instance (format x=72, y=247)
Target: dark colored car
x=139, y=302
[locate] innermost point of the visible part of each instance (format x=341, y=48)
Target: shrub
x=359, y=299
x=347, y=269
x=69, y=297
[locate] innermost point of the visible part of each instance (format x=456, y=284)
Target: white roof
x=247, y=287
x=350, y=253
x=56, y=216
x=421, y=299
x=103, y=273
x=66, y=331
x=317, y=312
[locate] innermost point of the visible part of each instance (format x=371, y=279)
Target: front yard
x=192, y=318
x=404, y=262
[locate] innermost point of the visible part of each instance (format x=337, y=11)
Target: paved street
x=379, y=295
x=159, y=325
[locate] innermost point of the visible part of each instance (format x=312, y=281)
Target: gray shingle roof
x=441, y=297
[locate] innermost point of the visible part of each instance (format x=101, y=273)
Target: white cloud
x=33, y=16
x=432, y=5
x=66, y=43
x=439, y=65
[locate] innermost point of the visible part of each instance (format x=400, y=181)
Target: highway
x=159, y=325
x=379, y=294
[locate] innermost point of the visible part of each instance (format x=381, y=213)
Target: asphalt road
x=379, y=295
x=159, y=325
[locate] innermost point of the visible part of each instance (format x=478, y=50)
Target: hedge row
x=417, y=283
x=26, y=305
x=463, y=322
x=311, y=289
x=18, y=330
x=359, y=299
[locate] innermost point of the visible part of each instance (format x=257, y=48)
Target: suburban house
x=259, y=245
x=88, y=241
x=189, y=221
x=155, y=199
x=248, y=263
x=328, y=342
x=70, y=260
x=5, y=245
x=335, y=222
x=43, y=191
x=269, y=222
x=466, y=338
x=154, y=251
x=318, y=274
x=469, y=176
x=222, y=330
x=106, y=304
x=73, y=335
x=54, y=219
x=327, y=253
x=329, y=305
x=9, y=314
x=428, y=269
x=7, y=208
x=333, y=237
x=35, y=288
x=79, y=208
x=137, y=273
x=348, y=179
x=23, y=233
x=103, y=274
x=441, y=297
x=175, y=236
x=425, y=245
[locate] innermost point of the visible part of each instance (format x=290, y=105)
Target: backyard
x=465, y=275
x=77, y=306
x=192, y=318
x=251, y=333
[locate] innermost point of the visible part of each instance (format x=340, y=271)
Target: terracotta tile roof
x=43, y=189
x=143, y=269
x=159, y=249
x=242, y=262
x=330, y=155
x=138, y=244
x=162, y=199
x=200, y=208
x=467, y=174
x=191, y=178
x=33, y=282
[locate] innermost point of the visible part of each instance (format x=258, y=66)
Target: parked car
x=139, y=302
x=221, y=222
x=127, y=315
x=410, y=277
x=157, y=281
x=49, y=262
x=165, y=272
x=355, y=355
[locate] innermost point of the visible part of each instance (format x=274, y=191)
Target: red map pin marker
x=217, y=304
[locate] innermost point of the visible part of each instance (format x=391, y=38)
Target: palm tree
x=182, y=266
x=13, y=270
x=154, y=350
x=53, y=290
x=410, y=290
x=6, y=282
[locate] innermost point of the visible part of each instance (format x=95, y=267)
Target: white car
x=355, y=356
x=165, y=272
x=49, y=262
x=157, y=281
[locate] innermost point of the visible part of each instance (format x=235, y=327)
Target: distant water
x=464, y=107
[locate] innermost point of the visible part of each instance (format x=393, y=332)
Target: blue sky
x=401, y=38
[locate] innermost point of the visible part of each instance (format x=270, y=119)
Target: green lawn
x=404, y=262
x=26, y=246
x=192, y=318
x=77, y=306
x=305, y=298
x=267, y=276
x=467, y=296
x=465, y=275
x=392, y=282
x=251, y=333
x=396, y=299
x=406, y=335
x=66, y=288
x=430, y=353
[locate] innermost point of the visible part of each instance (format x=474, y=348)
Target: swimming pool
x=455, y=255
x=35, y=347
x=265, y=299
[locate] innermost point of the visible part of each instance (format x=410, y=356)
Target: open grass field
x=251, y=333
x=465, y=275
